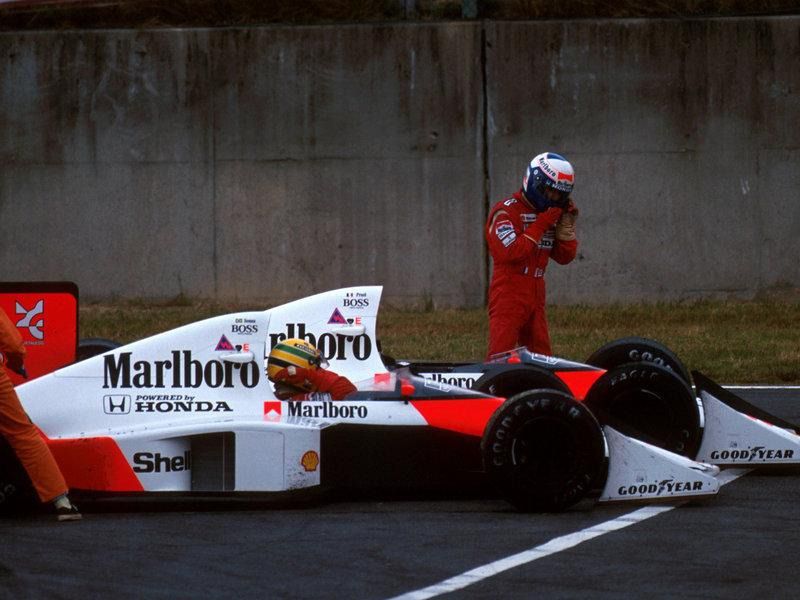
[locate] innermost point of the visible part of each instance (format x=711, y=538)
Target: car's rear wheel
x=89, y=347
x=544, y=450
x=518, y=379
x=651, y=403
x=638, y=349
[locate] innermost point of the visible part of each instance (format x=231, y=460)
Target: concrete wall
x=270, y=163
x=685, y=136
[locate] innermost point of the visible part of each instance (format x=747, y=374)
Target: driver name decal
x=357, y=300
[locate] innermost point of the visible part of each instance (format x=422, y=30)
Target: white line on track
x=761, y=387
x=559, y=544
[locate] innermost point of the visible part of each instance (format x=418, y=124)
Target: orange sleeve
x=10, y=339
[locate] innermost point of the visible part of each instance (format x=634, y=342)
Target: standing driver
x=523, y=232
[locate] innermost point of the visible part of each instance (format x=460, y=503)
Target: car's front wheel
x=544, y=450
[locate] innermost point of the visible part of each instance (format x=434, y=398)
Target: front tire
x=544, y=450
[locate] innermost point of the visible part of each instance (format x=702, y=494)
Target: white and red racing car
x=190, y=413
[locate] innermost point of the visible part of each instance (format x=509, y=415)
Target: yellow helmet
x=293, y=352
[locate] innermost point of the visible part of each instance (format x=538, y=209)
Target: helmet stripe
x=279, y=362
x=294, y=350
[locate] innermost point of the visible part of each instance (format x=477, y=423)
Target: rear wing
x=46, y=315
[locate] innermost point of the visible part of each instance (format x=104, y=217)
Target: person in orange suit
x=22, y=435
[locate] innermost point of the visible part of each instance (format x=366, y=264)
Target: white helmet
x=548, y=170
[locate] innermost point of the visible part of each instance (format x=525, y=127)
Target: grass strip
x=733, y=342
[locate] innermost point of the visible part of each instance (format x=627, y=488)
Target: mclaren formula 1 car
x=189, y=412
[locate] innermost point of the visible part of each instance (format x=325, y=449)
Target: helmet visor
x=555, y=194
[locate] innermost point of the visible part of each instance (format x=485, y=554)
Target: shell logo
x=310, y=461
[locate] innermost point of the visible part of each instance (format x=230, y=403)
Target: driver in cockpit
x=299, y=372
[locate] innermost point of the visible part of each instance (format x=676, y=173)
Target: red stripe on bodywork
x=463, y=416
x=94, y=464
x=579, y=382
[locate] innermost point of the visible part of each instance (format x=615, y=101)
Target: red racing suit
x=16, y=427
x=517, y=289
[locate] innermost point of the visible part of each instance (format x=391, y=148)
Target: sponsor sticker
x=117, y=404
x=666, y=486
x=223, y=344
x=757, y=453
x=272, y=410
x=509, y=240
x=244, y=326
x=447, y=380
x=356, y=300
x=504, y=228
x=337, y=318
x=155, y=462
x=547, y=168
x=543, y=358
x=31, y=320
x=333, y=346
x=180, y=370
x=310, y=461
x=327, y=410
x=122, y=404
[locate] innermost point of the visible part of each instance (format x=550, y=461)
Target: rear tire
x=519, y=379
x=544, y=450
x=651, y=403
x=89, y=347
x=638, y=349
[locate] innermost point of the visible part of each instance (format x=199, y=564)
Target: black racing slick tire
x=544, y=451
x=89, y=347
x=650, y=403
x=518, y=379
x=638, y=349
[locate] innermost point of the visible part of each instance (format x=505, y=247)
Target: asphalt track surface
x=745, y=542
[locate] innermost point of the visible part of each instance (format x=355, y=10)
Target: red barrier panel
x=46, y=314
